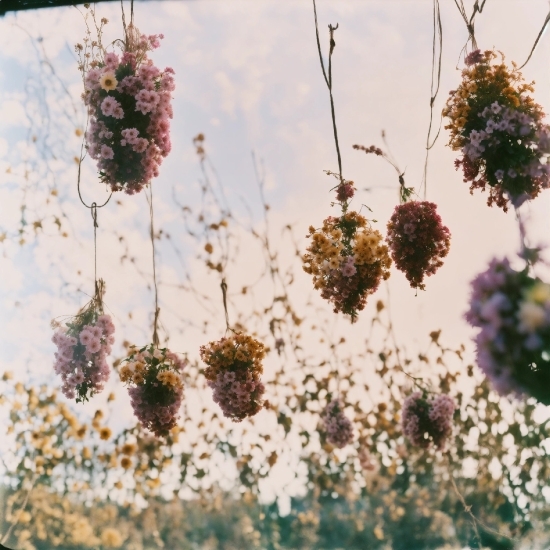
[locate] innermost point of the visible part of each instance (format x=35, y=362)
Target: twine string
x=223, y=286
x=155, y=286
x=437, y=51
x=539, y=36
x=328, y=81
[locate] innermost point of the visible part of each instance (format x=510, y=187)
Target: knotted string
x=152, y=235
x=223, y=286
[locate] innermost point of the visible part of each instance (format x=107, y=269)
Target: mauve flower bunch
x=129, y=103
x=82, y=349
x=418, y=240
x=156, y=386
x=347, y=259
x=512, y=311
x=499, y=129
x=427, y=420
x=337, y=425
x=233, y=373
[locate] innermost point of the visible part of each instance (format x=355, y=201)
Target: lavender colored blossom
x=428, y=420
x=512, y=311
x=337, y=426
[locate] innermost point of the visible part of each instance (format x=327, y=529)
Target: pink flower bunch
x=512, y=311
x=365, y=460
x=428, y=420
x=81, y=356
x=233, y=373
x=129, y=103
x=337, y=425
x=418, y=240
x=156, y=386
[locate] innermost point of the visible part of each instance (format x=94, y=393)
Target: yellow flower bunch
x=233, y=372
x=155, y=377
x=483, y=83
x=347, y=259
x=499, y=130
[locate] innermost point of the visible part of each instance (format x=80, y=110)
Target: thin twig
x=437, y=37
x=328, y=81
x=546, y=21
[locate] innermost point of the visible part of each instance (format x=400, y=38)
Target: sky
x=248, y=77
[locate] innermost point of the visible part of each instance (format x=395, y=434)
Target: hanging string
x=328, y=81
x=437, y=51
x=93, y=211
x=81, y=159
x=470, y=21
x=546, y=21
x=223, y=286
x=98, y=286
x=152, y=235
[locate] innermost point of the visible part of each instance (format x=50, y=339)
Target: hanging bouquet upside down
x=129, y=105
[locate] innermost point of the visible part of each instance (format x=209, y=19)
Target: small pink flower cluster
x=157, y=386
x=418, y=240
x=365, y=460
x=82, y=350
x=337, y=425
x=233, y=373
x=129, y=102
x=428, y=420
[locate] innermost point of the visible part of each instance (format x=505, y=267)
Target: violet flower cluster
x=418, y=240
x=337, y=425
x=129, y=103
x=81, y=356
x=156, y=386
x=233, y=373
x=427, y=420
x=522, y=174
x=512, y=311
x=500, y=131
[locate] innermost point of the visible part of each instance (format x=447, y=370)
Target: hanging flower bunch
x=233, y=373
x=512, y=309
x=129, y=104
x=337, y=425
x=418, y=240
x=156, y=386
x=499, y=130
x=82, y=349
x=347, y=259
x=428, y=420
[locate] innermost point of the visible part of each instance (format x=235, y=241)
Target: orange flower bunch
x=347, y=259
x=233, y=372
x=499, y=129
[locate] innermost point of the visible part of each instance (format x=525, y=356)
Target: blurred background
x=248, y=79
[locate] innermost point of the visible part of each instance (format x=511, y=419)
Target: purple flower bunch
x=129, y=103
x=156, y=386
x=500, y=131
x=428, y=420
x=82, y=350
x=512, y=311
x=233, y=373
x=521, y=177
x=337, y=425
x=418, y=240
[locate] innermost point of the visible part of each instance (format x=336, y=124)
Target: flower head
x=108, y=81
